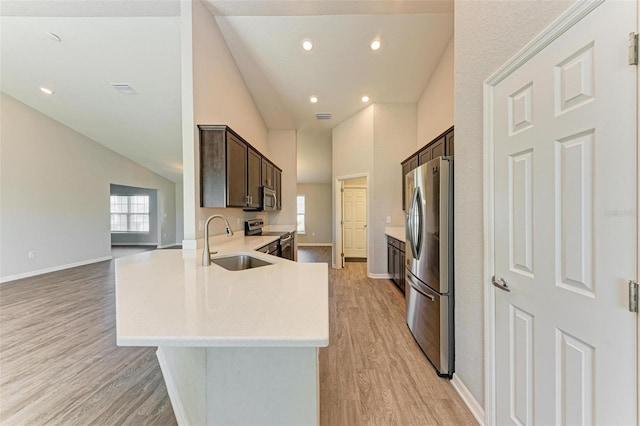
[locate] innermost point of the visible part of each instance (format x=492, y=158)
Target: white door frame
x=638, y=206
x=569, y=18
x=338, y=261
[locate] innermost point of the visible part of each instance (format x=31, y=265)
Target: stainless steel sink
x=239, y=262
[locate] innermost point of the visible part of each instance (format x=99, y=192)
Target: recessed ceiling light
x=365, y=98
x=54, y=37
x=307, y=44
x=47, y=91
x=375, y=45
x=313, y=99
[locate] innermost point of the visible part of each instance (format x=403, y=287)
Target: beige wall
x=351, y=154
x=282, y=144
x=317, y=213
x=314, y=156
x=219, y=96
x=374, y=142
x=487, y=34
x=394, y=134
x=54, y=193
x=435, y=107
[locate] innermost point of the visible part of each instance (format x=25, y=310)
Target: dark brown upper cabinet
x=267, y=174
x=254, y=181
x=277, y=178
x=438, y=147
x=230, y=169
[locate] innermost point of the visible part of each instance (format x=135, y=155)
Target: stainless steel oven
x=283, y=247
x=286, y=246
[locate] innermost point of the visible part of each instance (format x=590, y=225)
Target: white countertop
x=396, y=232
x=167, y=298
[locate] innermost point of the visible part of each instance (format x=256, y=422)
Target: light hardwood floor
x=59, y=364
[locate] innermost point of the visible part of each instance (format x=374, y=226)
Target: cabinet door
x=277, y=174
x=390, y=262
x=254, y=163
x=424, y=155
x=267, y=174
x=449, y=143
x=413, y=163
x=213, y=177
x=405, y=170
x=236, y=172
x=393, y=255
x=437, y=148
x=401, y=271
x=397, y=268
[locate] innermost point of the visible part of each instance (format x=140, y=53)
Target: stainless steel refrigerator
x=429, y=261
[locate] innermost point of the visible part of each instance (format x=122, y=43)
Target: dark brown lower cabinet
x=395, y=261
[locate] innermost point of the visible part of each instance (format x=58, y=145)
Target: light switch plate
x=388, y=219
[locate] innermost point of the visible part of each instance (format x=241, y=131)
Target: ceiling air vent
x=323, y=115
x=125, y=89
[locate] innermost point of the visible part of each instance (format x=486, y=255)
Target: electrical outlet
x=237, y=221
x=313, y=234
x=164, y=235
x=388, y=219
x=31, y=255
x=201, y=225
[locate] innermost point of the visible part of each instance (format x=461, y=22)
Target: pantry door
x=355, y=222
x=563, y=133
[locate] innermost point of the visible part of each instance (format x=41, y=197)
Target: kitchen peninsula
x=235, y=347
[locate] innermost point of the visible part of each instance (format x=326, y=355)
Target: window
x=129, y=213
x=300, y=210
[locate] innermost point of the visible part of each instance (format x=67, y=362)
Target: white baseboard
x=176, y=402
x=468, y=399
x=315, y=245
x=378, y=276
x=133, y=244
x=52, y=269
x=167, y=245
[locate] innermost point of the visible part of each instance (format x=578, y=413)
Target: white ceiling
x=138, y=42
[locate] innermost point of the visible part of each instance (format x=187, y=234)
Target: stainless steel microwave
x=269, y=200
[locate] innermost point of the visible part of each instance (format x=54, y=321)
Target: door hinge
x=633, y=296
x=341, y=254
x=633, y=48
x=341, y=189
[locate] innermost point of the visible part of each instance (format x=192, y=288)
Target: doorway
x=134, y=221
x=351, y=219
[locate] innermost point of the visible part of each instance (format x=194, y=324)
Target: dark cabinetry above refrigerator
x=441, y=146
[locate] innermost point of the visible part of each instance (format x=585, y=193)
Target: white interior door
x=355, y=222
x=564, y=139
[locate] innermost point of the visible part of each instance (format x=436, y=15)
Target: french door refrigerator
x=429, y=261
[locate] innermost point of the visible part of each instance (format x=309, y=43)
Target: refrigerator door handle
x=414, y=285
x=415, y=228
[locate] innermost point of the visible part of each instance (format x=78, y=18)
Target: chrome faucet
x=206, y=254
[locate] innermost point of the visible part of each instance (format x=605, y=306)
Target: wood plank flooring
x=59, y=364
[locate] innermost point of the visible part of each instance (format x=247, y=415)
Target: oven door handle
x=284, y=240
x=414, y=285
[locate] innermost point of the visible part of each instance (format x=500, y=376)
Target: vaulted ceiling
x=138, y=42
